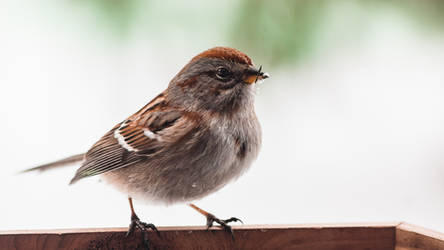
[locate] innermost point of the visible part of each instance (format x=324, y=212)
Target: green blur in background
x=276, y=32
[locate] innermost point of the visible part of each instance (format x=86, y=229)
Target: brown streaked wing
x=106, y=155
x=141, y=137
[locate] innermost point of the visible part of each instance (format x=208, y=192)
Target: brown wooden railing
x=382, y=236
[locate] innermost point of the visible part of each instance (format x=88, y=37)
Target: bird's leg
x=144, y=227
x=211, y=219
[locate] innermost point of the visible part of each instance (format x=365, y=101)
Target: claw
x=223, y=223
x=142, y=226
x=150, y=226
x=233, y=219
x=130, y=230
x=211, y=219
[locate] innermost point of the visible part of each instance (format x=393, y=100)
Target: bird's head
x=219, y=79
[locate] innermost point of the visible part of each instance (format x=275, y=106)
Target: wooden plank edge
x=300, y=237
x=203, y=228
x=412, y=237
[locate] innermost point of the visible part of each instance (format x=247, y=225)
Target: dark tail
x=60, y=163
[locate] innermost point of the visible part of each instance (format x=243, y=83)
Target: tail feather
x=60, y=163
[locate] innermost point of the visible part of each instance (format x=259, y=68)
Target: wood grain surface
x=344, y=237
x=410, y=237
x=380, y=236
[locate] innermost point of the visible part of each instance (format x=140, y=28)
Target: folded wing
x=136, y=139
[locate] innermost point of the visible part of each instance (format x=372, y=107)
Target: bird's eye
x=223, y=73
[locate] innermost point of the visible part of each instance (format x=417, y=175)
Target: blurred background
x=352, y=117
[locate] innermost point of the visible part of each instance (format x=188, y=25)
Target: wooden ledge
x=393, y=236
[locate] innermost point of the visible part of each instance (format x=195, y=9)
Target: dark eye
x=223, y=73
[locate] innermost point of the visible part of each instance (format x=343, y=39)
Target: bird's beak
x=253, y=75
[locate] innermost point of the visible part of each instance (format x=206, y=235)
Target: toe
x=233, y=219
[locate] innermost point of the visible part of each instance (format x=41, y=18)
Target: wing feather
x=136, y=139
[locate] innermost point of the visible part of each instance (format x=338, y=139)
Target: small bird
x=188, y=142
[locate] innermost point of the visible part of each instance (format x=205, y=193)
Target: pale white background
x=356, y=134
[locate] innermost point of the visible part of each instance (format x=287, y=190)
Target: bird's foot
x=142, y=226
x=211, y=219
x=223, y=223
